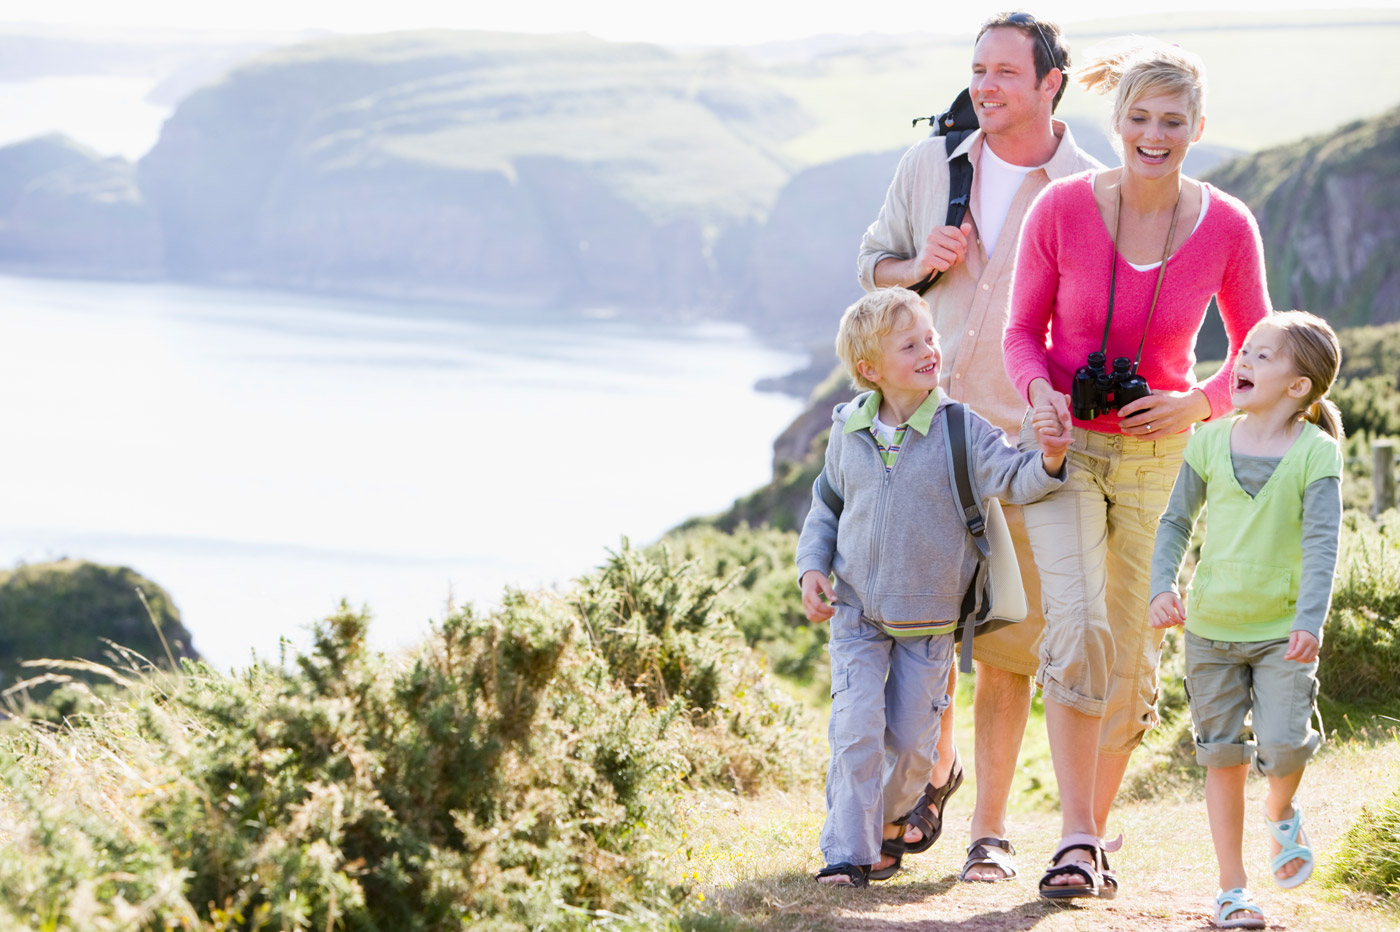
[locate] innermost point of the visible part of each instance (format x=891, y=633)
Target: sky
x=725, y=22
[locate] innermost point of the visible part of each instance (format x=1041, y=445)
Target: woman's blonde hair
x=1136, y=66
x=1312, y=345
x=867, y=321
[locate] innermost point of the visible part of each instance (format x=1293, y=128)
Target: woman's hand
x=1163, y=413
x=1040, y=394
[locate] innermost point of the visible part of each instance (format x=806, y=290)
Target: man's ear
x=1052, y=81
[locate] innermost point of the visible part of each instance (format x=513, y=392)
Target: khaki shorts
x=1093, y=540
x=1016, y=648
x=1229, y=680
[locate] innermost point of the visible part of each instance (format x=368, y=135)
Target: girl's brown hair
x=1312, y=345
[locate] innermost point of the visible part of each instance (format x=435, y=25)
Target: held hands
x=1166, y=611
x=815, y=585
x=944, y=248
x=1052, y=431
x=1302, y=647
x=1163, y=413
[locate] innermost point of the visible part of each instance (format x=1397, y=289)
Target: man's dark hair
x=1048, y=48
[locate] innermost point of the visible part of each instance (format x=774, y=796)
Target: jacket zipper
x=881, y=513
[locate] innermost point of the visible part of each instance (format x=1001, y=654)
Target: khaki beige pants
x=1092, y=539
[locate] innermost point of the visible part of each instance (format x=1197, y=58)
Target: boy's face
x=909, y=357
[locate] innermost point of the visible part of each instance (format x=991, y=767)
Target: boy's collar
x=863, y=418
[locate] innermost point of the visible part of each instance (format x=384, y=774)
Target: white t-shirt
x=885, y=431
x=997, y=184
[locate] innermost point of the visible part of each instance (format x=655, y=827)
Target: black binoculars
x=1095, y=391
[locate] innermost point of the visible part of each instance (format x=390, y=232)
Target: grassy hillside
x=74, y=611
x=611, y=757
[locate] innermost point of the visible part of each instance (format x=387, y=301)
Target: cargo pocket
x=1154, y=492
x=1191, y=707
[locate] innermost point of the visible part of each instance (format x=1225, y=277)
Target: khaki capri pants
x=1093, y=539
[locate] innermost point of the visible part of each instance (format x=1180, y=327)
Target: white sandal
x=1286, y=832
x=1231, y=902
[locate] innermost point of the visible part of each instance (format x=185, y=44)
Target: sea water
x=265, y=455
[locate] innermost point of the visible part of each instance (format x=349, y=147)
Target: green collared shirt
x=920, y=420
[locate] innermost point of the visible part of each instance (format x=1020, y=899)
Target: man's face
x=1004, y=89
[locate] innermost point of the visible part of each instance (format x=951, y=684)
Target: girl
x=1271, y=476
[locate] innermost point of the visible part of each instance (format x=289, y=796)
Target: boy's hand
x=1302, y=647
x=814, y=586
x=1166, y=610
x=1052, y=433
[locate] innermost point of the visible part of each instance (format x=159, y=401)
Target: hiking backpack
x=954, y=124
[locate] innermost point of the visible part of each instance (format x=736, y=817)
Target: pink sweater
x=1061, y=290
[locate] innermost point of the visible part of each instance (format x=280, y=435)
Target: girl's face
x=1265, y=377
x=1156, y=131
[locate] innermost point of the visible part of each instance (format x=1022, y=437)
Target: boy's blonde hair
x=1137, y=67
x=1317, y=354
x=868, y=321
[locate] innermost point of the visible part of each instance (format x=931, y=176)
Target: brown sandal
x=989, y=852
x=927, y=814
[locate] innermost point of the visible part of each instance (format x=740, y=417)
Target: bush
x=1371, y=404
x=763, y=596
x=515, y=771
x=1367, y=857
x=668, y=632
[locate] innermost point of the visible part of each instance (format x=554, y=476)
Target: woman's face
x=1156, y=130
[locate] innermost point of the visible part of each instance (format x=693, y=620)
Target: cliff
x=1329, y=211
x=65, y=210
x=531, y=168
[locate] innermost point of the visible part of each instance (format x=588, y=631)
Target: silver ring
x=1149, y=429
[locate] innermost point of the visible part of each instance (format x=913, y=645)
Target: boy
x=902, y=559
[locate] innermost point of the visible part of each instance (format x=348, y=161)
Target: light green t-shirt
x=1246, y=586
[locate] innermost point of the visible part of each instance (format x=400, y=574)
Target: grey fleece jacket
x=900, y=550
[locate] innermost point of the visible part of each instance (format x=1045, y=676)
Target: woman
x=1121, y=262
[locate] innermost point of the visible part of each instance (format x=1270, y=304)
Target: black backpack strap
x=959, y=193
x=959, y=452
x=958, y=447
x=828, y=494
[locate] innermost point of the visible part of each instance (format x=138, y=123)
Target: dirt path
x=1166, y=869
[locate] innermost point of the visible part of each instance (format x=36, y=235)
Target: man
x=1019, y=67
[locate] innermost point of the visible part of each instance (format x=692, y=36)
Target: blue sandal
x=1286, y=832
x=1230, y=902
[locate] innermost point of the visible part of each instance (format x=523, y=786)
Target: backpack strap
x=823, y=487
x=958, y=447
x=959, y=452
x=959, y=194
x=828, y=494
